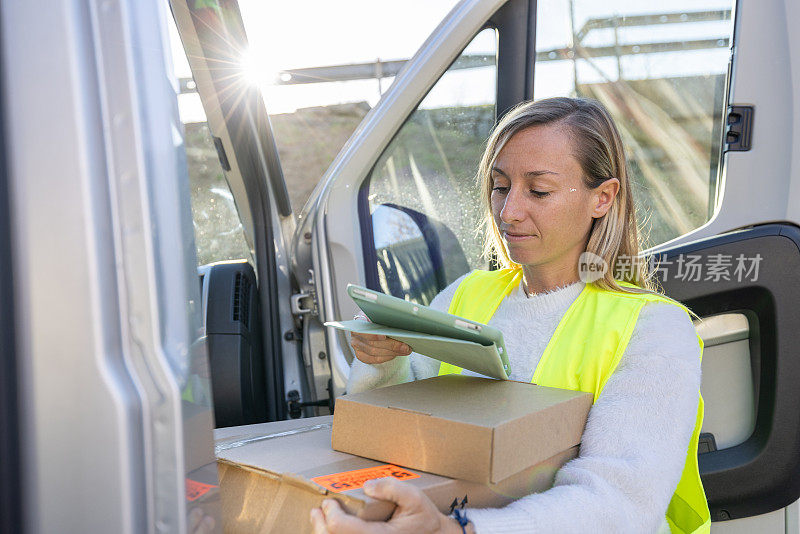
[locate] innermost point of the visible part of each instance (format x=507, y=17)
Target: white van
x=108, y=338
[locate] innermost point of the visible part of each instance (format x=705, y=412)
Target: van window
x=218, y=230
x=423, y=194
x=660, y=69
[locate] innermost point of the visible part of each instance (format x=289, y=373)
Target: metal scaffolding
x=379, y=69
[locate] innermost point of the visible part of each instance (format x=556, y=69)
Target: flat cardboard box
x=266, y=474
x=464, y=427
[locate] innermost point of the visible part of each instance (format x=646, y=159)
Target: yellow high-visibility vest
x=581, y=356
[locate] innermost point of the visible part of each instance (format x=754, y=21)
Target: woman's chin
x=530, y=255
x=523, y=258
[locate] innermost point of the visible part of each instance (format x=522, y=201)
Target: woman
x=557, y=196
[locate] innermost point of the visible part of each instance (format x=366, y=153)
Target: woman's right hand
x=372, y=348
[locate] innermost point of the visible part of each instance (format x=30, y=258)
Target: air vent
x=241, y=300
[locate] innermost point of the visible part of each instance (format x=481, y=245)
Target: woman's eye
x=539, y=194
x=500, y=188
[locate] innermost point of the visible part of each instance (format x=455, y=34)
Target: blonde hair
x=597, y=146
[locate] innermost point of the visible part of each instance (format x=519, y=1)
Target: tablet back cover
x=479, y=358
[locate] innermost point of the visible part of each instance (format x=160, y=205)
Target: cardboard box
x=462, y=427
x=267, y=474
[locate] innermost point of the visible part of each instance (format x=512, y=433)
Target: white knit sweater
x=634, y=445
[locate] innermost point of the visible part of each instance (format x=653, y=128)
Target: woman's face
x=539, y=202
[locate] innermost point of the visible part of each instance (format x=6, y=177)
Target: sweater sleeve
x=365, y=376
x=634, y=445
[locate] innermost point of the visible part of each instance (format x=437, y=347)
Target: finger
x=318, y=521
x=398, y=346
x=366, y=358
x=370, y=339
x=370, y=360
x=391, y=489
x=402, y=347
x=338, y=521
x=367, y=337
x=381, y=349
x=206, y=526
x=195, y=516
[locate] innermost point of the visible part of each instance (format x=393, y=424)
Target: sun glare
x=257, y=69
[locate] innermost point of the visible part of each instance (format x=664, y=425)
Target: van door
x=105, y=290
x=396, y=210
x=259, y=372
x=749, y=449
x=406, y=168
x=744, y=265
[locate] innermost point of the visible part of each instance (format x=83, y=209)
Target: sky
x=284, y=35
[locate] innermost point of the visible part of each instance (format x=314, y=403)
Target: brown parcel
x=265, y=476
x=463, y=427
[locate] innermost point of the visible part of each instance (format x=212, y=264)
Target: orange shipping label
x=350, y=480
x=195, y=489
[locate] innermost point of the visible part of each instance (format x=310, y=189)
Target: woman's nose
x=512, y=207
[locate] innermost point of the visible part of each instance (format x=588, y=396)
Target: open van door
x=746, y=295
x=253, y=363
x=397, y=210
x=406, y=169
x=737, y=282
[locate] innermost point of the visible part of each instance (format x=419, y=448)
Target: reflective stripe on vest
x=582, y=354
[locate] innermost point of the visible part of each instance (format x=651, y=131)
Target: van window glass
x=423, y=194
x=660, y=69
x=218, y=230
x=322, y=66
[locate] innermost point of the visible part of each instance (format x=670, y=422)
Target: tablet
x=401, y=314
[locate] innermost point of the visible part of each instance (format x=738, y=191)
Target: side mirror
x=407, y=260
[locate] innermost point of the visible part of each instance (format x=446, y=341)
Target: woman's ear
x=603, y=197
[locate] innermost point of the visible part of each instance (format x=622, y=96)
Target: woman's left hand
x=415, y=513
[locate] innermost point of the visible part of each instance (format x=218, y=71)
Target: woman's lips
x=515, y=238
